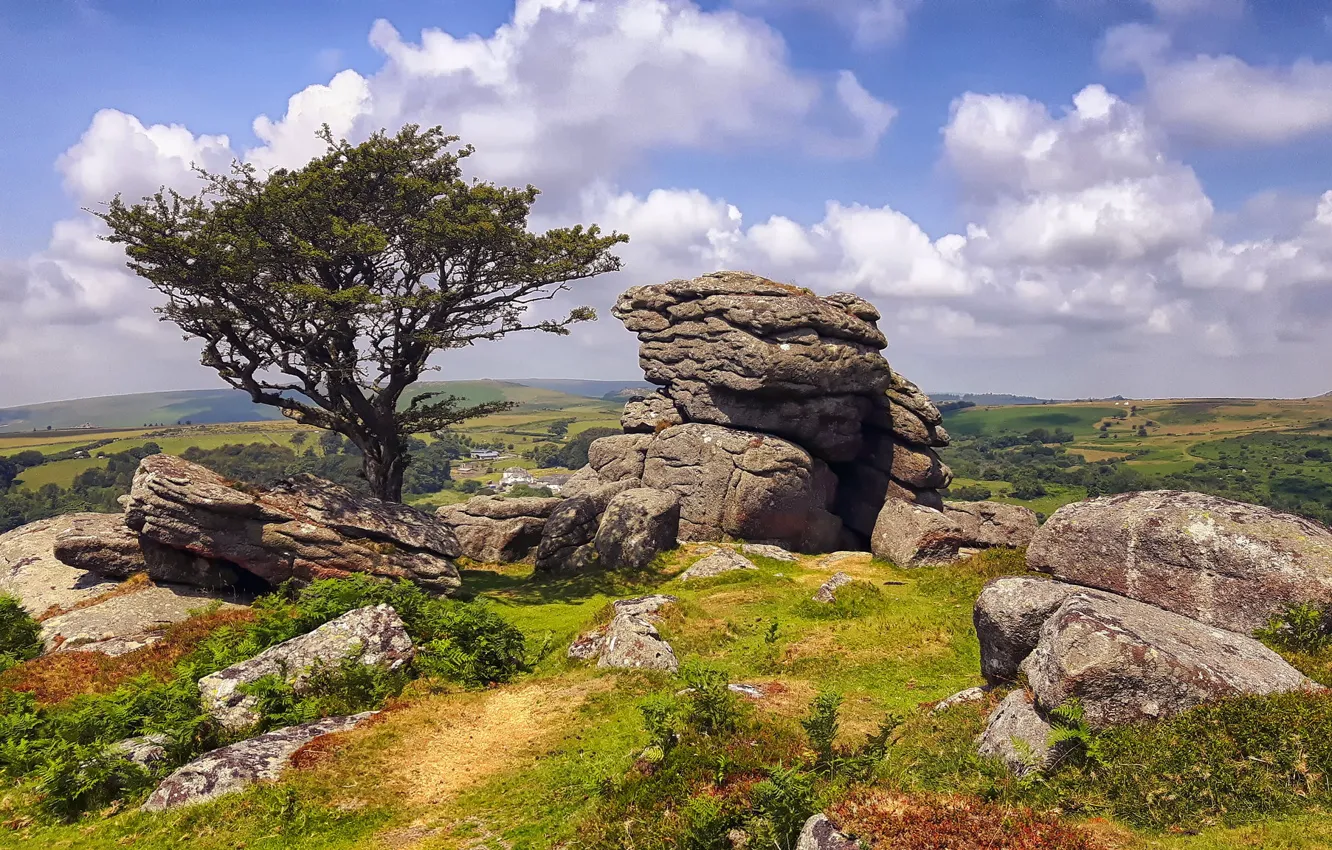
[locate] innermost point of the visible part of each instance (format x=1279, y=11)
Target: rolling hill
x=226, y=405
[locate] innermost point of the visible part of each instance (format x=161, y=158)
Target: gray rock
x=636, y=526
x=914, y=466
x=908, y=534
x=1018, y=734
x=905, y=424
x=374, y=636
x=827, y=592
x=644, y=606
x=820, y=834
x=742, y=485
x=1225, y=563
x=125, y=621
x=496, y=529
x=567, y=539
x=1008, y=617
x=619, y=457
x=304, y=528
x=863, y=490
x=146, y=751
x=962, y=697
x=31, y=573
x=736, y=349
x=633, y=643
x=100, y=543
x=719, y=562
x=237, y=767
x=767, y=550
x=1126, y=661
x=650, y=414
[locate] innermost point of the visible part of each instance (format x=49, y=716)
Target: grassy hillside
x=1270, y=451
x=224, y=406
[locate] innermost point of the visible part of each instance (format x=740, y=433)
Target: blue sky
x=1044, y=196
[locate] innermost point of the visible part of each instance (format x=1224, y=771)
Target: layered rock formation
x=304, y=528
x=495, y=529
x=777, y=421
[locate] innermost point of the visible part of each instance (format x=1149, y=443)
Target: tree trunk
x=383, y=464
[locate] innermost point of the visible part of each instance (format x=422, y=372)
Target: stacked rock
x=778, y=420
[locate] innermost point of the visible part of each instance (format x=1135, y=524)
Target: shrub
x=970, y=493
x=661, y=722
x=348, y=687
x=20, y=635
x=782, y=803
x=78, y=777
x=469, y=643
x=821, y=726
x=1304, y=628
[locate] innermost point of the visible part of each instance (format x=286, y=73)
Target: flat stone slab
x=31, y=573
x=237, y=767
x=722, y=561
x=127, y=621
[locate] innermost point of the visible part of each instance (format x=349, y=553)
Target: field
x=1274, y=448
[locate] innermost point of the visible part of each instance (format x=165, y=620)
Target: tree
x=298, y=438
x=323, y=291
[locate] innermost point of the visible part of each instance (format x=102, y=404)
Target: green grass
x=1081, y=419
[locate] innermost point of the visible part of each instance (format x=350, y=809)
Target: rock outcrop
x=637, y=525
x=304, y=528
x=818, y=833
x=99, y=543
x=373, y=636
x=128, y=618
x=718, y=563
x=237, y=767
x=31, y=573
x=1008, y=616
x=827, y=592
x=909, y=534
x=1126, y=661
x=1225, y=563
x=496, y=529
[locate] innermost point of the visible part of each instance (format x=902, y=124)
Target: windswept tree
x=324, y=290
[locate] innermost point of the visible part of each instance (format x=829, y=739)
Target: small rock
x=634, y=643
x=909, y=534
x=827, y=593
x=644, y=606
x=146, y=751
x=767, y=550
x=1008, y=617
x=588, y=646
x=975, y=694
x=1017, y=734
x=239, y=766
x=374, y=635
x=819, y=834
x=723, y=561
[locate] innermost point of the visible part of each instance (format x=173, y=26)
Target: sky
x=1063, y=198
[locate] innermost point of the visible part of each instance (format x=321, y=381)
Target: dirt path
x=452, y=743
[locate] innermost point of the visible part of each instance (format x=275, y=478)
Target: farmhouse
x=484, y=454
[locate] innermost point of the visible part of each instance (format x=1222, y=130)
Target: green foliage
x=970, y=493
x=519, y=491
x=821, y=726
x=340, y=279
x=76, y=778
x=782, y=804
x=573, y=455
x=706, y=822
x=348, y=687
x=852, y=600
x=1303, y=628
x=712, y=706
x=468, y=643
x=661, y=721
x=20, y=634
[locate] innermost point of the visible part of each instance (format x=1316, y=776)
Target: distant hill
x=590, y=389
x=201, y=407
x=989, y=399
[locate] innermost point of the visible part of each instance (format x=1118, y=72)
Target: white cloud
x=1196, y=8
x=1222, y=99
x=871, y=23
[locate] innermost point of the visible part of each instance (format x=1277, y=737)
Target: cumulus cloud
x=1221, y=99
x=871, y=23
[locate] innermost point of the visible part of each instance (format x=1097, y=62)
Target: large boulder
x=619, y=457
x=909, y=534
x=566, y=544
x=650, y=414
x=1126, y=661
x=636, y=525
x=1225, y=563
x=633, y=643
x=31, y=573
x=1018, y=734
x=237, y=767
x=304, y=528
x=736, y=349
x=1008, y=615
x=735, y=484
x=373, y=636
x=496, y=529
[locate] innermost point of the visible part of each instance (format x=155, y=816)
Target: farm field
x=1273, y=449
